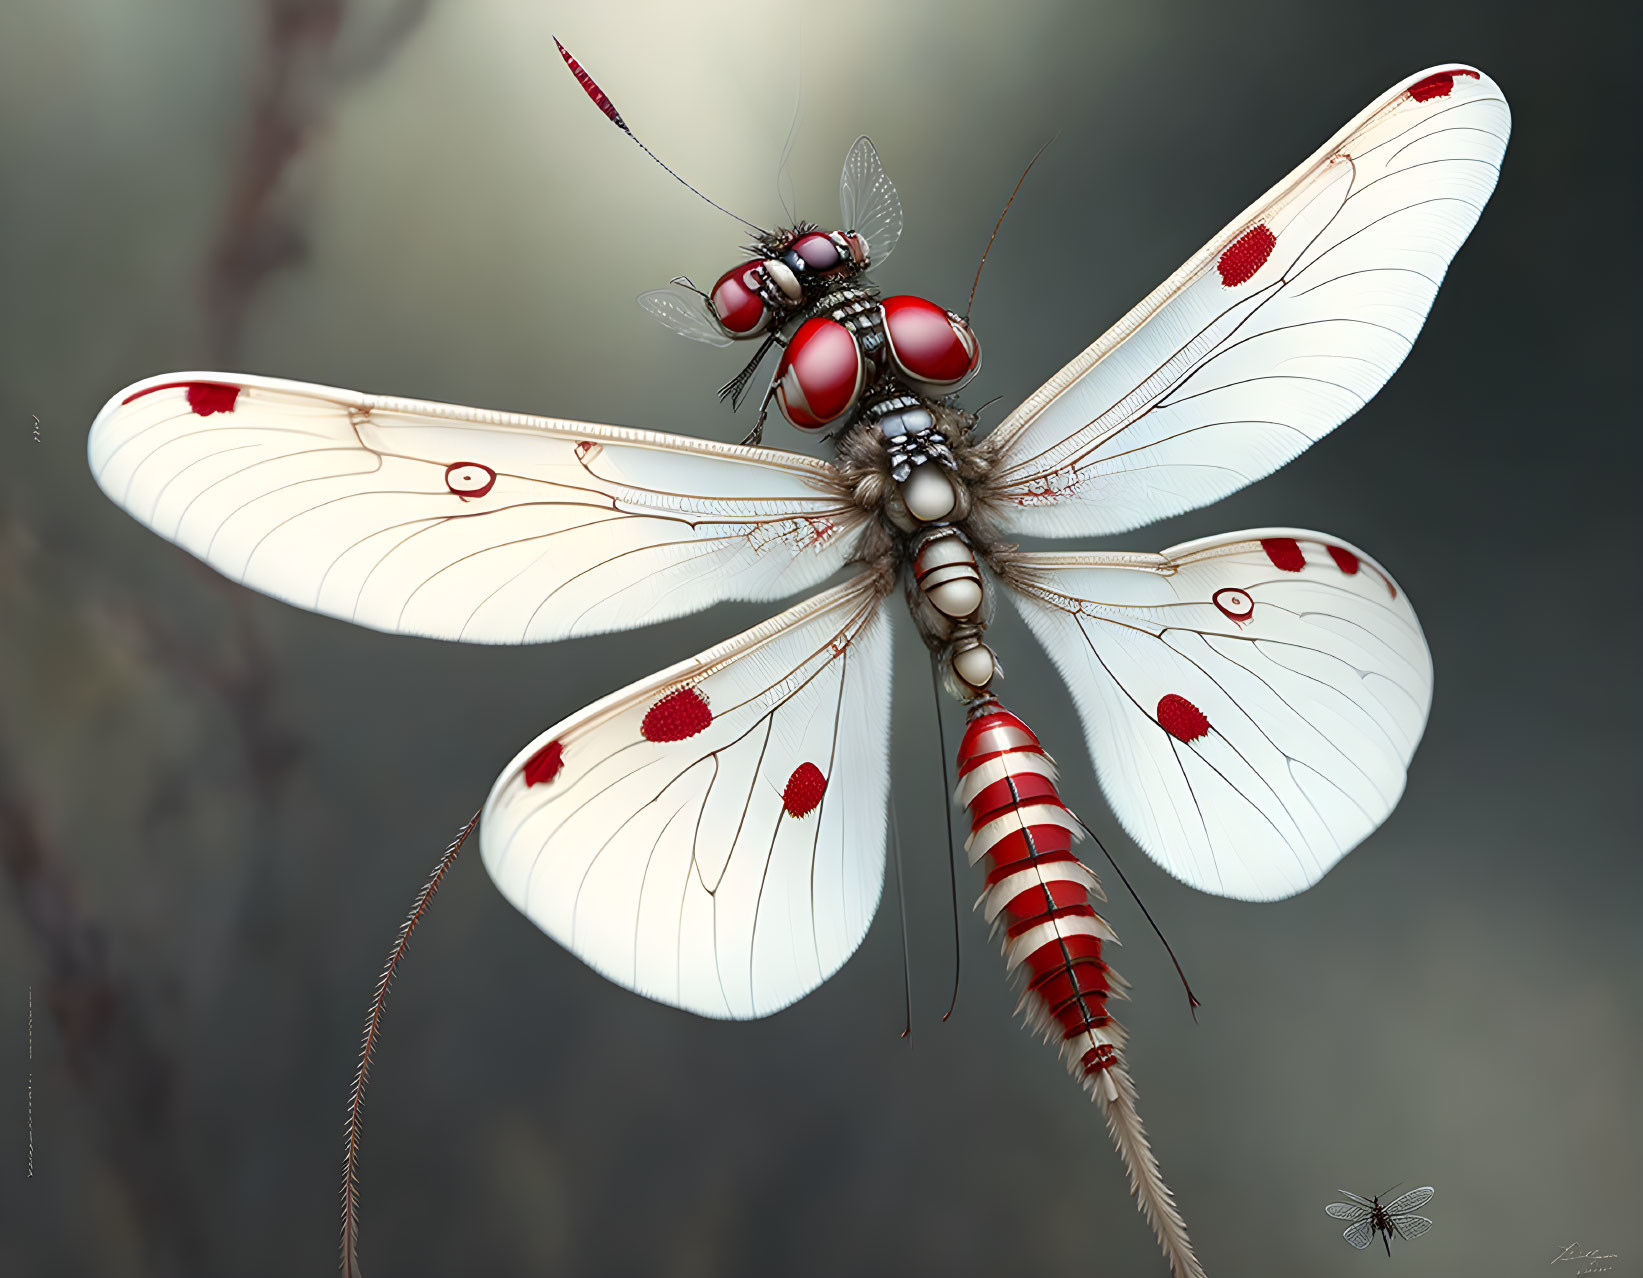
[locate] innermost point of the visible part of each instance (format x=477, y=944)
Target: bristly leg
x=367, y=1049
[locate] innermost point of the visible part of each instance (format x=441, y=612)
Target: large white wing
x=868, y=201
x=460, y=523
x=1251, y=700
x=713, y=836
x=1279, y=329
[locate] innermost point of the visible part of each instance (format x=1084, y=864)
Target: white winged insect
x=713, y=836
x=1369, y=1216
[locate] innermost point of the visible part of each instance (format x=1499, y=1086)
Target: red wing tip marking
x=1344, y=559
x=204, y=398
x=544, y=765
x=1246, y=255
x=469, y=479
x=1181, y=719
x=1438, y=85
x=681, y=714
x=587, y=450
x=804, y=790
x=1285, y=553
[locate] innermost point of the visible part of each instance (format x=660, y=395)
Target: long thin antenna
x=901, y=905
x=972, y=300
x=1192, y=999
x=373, y=1031
x=947, y=808
x=604, y=103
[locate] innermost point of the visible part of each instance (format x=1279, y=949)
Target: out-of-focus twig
x=311, y=55
x=110, y=1053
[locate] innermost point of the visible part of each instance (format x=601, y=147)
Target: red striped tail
x=1040, y=895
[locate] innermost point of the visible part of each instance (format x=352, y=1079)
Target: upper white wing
x=713, y=836
x=461, y=523
x=1274, y=333
x=869, y=202
x=1251, y=700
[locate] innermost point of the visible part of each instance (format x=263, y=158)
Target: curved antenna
x=972, y=299
x=604, y=103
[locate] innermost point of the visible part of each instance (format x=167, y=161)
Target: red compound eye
x=821, y=374
x=737, y=303
x=933, y=349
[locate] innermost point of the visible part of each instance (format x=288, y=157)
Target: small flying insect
x=1369, y=1217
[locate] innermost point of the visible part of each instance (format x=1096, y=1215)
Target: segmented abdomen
x=1039, y=892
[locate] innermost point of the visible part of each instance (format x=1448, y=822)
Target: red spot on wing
x=1285, y=553
x=1344, y=559
x=1246, y=255
x=1438, y=85
x=204, y=398
x=804, y=790
x=469, y=479
x=1235, y=604
x=676, y=716
x=544, y=765
x=1181, y=719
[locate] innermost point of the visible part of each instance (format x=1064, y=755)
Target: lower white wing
x=1251, y=700
x=1361, y=1234
x=461, y=523
x=1275, y=332
x=713, y=836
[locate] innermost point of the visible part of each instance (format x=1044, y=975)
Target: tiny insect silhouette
x=1369, y=1217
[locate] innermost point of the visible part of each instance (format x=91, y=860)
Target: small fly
x=1370, y=1217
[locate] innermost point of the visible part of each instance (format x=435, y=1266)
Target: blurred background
x=214, y=809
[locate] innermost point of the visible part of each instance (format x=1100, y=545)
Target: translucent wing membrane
x=459, y=523
x=713, y=836
x=1251, y=700
x=1361, y=1234
x=1274, y=333
x=1410, y=1226
x=868, y=201
x=685, y=313
x=1347, y=1211
x=1414, y=1200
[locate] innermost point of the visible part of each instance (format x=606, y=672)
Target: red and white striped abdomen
x=1038, y=892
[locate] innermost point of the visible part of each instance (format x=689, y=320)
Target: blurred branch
x=110, y=1053
x=307, y=64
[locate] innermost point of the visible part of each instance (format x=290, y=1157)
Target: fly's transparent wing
x=1251, y=700
x=459, y=523
x=1410, y=1226
x=1347, y=1211
x=685, y=313
x=1274, y=333
x=1414, y=1200
x=713, y=836
x=1361, y=1234
x=868, y=201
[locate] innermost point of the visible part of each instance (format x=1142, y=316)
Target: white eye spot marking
x=469, y=479
x=1235, y=604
